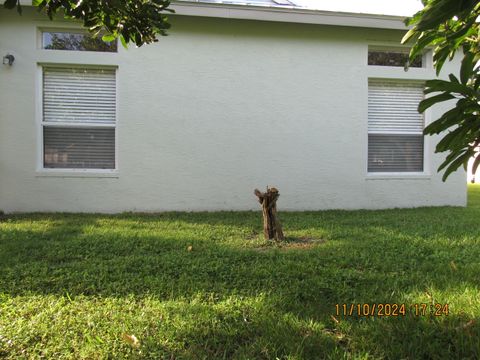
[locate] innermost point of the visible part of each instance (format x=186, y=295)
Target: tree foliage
x=451, y=29
x=138, y=21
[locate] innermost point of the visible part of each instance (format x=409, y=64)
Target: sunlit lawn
x=206, y=285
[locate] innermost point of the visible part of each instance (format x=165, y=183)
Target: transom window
x=392, y=57
x=79, y=118
x=395, y=127
x=76, y=41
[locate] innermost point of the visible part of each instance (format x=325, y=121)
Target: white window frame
x=71, y=172
x=381, y=72
x=399, y=48
x=398, y=173
x=69, y=30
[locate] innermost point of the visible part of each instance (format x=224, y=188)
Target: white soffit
x=278, y=10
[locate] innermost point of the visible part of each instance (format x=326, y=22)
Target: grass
x=207, y=286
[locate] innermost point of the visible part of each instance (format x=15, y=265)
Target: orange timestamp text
x=391, y=310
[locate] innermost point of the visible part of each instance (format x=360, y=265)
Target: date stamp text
x=391, y=310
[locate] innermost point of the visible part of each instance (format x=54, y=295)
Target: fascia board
x=288, y=14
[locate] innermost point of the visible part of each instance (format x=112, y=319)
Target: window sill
x=77, y=173
x=398, y=176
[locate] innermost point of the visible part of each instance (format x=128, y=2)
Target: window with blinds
x=395, y=128
x=79, y=116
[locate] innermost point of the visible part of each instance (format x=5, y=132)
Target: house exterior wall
x=209, y=113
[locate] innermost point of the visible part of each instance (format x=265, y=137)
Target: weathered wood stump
x=272, y=229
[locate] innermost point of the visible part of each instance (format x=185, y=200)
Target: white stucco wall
x=216, y=109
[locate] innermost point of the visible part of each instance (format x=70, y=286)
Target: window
x=395, y=128
x=392, y=57
x=79, y=116
x=78, y=41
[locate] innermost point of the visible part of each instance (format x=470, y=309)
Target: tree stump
x=272, y=229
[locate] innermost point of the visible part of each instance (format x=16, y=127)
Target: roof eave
x=288, y=14
x=283, y=14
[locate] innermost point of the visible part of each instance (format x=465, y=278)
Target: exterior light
x=8, y=59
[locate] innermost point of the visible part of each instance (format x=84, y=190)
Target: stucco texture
x=209, y=113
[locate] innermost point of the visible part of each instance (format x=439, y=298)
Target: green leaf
x=453, y=79
x=448, y=86
x=425, y=104
x=460, y=138
x=466, y=70
x=451, y=157
x=409, y=35
x=447, y=120
x=476, y=163
x=123, y=41
x=450, y=140
x=422, y=42
x=454, y=165
x=108, y=37
x=439, y=59
x=437, y=12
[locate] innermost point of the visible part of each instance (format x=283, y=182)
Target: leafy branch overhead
x=451, y=29
x=137, y=21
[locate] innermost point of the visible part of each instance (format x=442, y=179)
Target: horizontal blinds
x=392, y=107
x=86, y=148
x=79, y=95
x=395, y=153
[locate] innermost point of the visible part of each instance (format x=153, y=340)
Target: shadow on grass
x=364, y=257
x=131, y=254
x=253, y=328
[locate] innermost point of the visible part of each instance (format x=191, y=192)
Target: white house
x=238, y=97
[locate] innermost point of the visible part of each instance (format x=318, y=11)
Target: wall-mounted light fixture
x=8, y=59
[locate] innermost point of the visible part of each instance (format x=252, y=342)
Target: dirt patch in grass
x=291, y=243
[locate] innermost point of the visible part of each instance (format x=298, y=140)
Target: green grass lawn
x=207, y=286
